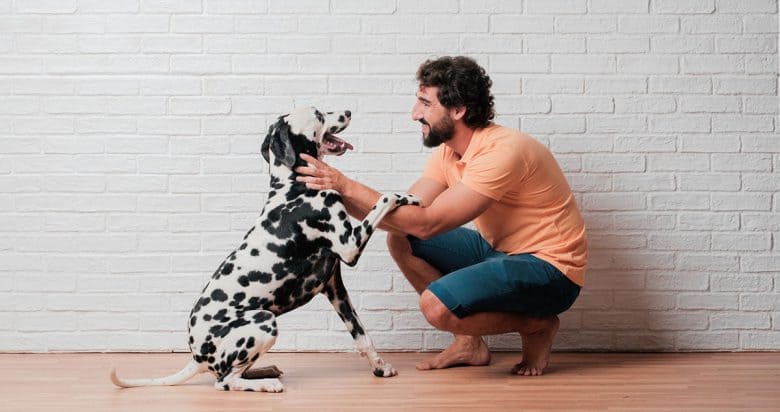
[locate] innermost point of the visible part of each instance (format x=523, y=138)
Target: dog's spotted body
x=289, y=256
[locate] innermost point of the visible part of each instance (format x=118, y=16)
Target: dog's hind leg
x=249, y=336
x=339, y=298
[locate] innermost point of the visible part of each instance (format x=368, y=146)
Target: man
x=526, y=262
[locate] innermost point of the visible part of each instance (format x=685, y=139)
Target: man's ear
x=457, y=113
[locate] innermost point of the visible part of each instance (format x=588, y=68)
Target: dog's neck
x=283, y=179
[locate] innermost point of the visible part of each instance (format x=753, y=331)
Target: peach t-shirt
x=535, y=211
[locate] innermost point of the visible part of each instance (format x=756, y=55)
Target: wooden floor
x=343, y=382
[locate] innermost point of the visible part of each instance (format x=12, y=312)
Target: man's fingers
x=306, y=170
x=310, y=159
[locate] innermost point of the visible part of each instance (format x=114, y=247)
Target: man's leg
x=466, y=349
x=537, y=333
x=486, y=292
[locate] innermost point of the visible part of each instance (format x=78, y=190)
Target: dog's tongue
x=339, y=143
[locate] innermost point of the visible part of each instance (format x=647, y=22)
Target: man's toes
x=424, y=366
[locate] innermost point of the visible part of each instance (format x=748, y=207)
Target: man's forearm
x=359, y=199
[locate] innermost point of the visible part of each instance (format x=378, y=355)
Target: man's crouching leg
x=465, y=350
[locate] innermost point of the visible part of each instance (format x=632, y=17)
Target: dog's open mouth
x=335, y=145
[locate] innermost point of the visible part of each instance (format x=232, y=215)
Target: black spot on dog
x=261, y=317
x=208, y=348
x=218, y=295
x=257, y=276
x=238, y=298
x=221, y=316
x=254, y=252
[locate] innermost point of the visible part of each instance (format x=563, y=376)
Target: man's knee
x=435, y=312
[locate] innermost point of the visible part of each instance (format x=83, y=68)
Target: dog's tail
x=182, y=376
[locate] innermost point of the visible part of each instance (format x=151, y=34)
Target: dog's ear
x=267, y=143
x=278, y=141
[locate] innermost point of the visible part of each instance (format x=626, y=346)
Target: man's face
x=437, y=125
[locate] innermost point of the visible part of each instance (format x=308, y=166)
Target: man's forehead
x=427, y=92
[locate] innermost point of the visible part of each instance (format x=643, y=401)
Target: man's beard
x=439, y=133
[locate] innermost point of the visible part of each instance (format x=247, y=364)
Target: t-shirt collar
x=472, y=147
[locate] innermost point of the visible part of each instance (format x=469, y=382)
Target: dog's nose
x=348, y=113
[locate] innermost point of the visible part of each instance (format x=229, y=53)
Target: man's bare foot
x=466, y=350
x=536, y=349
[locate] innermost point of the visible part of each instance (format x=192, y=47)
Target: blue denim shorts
x=477, y=278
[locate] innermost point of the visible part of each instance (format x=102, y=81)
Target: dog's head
x=305, y=130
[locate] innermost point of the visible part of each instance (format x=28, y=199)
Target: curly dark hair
x=462, y=83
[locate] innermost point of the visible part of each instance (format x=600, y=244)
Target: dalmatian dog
x=290, y=255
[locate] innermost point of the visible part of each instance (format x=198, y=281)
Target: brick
x=508, y=23
x=684, y=6
x=747, y=6
x=741, y=283
x=753, y=162
x=760, y=182
x=741, y=201
x=618, y=6
x=716, y=24
x=645, y=104
x=583, y=64
x=709, y=182
x=736, y=320
x=736, y=85
x=689, y=201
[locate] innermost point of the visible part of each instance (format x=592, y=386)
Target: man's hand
x=320, y=176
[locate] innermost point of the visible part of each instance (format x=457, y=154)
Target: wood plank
x=343, y=381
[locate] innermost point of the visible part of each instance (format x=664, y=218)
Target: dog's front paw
x=403, y=199
x=385, y=371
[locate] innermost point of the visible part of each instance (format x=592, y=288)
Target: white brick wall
x=130, y=132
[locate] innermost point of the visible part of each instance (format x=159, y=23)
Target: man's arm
x=445, y=208
x=454, y=207
x=358, y=199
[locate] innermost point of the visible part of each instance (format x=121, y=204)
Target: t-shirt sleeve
x=495, y=171
x=434, y=170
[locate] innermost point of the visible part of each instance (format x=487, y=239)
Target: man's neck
x=460, y=140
